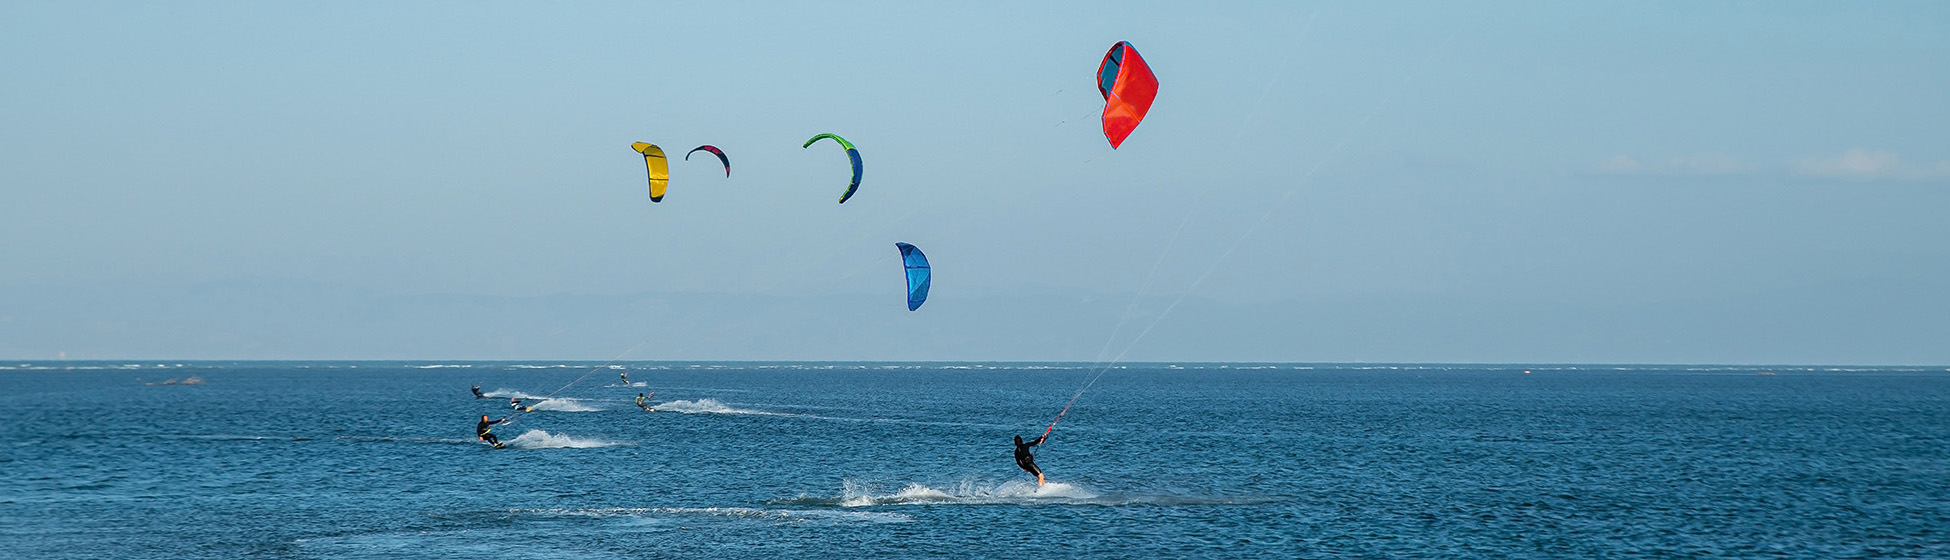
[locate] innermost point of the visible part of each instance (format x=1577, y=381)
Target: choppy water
x=378, y=460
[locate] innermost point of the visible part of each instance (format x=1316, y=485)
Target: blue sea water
x=783, y=460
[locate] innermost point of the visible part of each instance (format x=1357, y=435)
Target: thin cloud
x=1703, y=164
x=1621, y=164
x=1861, y=164
x=1710, y=164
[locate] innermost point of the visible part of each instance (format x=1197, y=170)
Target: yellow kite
x=653, y=157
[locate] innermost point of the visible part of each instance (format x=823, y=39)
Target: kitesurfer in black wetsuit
x=1027, y=460
x=516, y=402
x=483, y=430
x=477, y=392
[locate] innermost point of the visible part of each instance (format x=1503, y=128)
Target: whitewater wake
x=855, y=494
x=967, y=492
x=541, y=439
x=708, y=406
x=774, y=515
x=562, y=405
x=510, y=393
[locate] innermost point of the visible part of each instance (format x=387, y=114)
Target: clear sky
x=1684, y=182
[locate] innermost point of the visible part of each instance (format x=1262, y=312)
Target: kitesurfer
x=626, y=377
x=1026, y=460
x=515, y=402
x=477, y=392
x=484, y=431
x=640, y=400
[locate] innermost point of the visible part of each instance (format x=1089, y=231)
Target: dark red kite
x=714, y=151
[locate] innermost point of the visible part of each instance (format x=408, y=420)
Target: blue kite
x=918, y=275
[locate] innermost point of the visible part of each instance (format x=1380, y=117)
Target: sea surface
x=871, y=460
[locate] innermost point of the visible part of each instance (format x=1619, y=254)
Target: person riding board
x=626, y=377
x=477, y=392
x=484, y=431
x=1026, y=460
x=643, y=402
x=516, y=403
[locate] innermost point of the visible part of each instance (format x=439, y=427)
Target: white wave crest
x=708, y=406
x=541, y=439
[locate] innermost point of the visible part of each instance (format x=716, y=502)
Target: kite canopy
x=1128, y=88
x=851, y=154
x=653, y=157
x=714, y=151
x=918, y=275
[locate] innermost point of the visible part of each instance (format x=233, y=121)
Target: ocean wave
x=391, y=439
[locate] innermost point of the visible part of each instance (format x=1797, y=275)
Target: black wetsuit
x=487, y=436
x=477, y=392
x=1026, y=460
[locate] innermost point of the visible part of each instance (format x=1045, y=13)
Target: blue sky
x=1484, y=182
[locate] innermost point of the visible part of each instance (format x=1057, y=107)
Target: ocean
x=913, y=460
